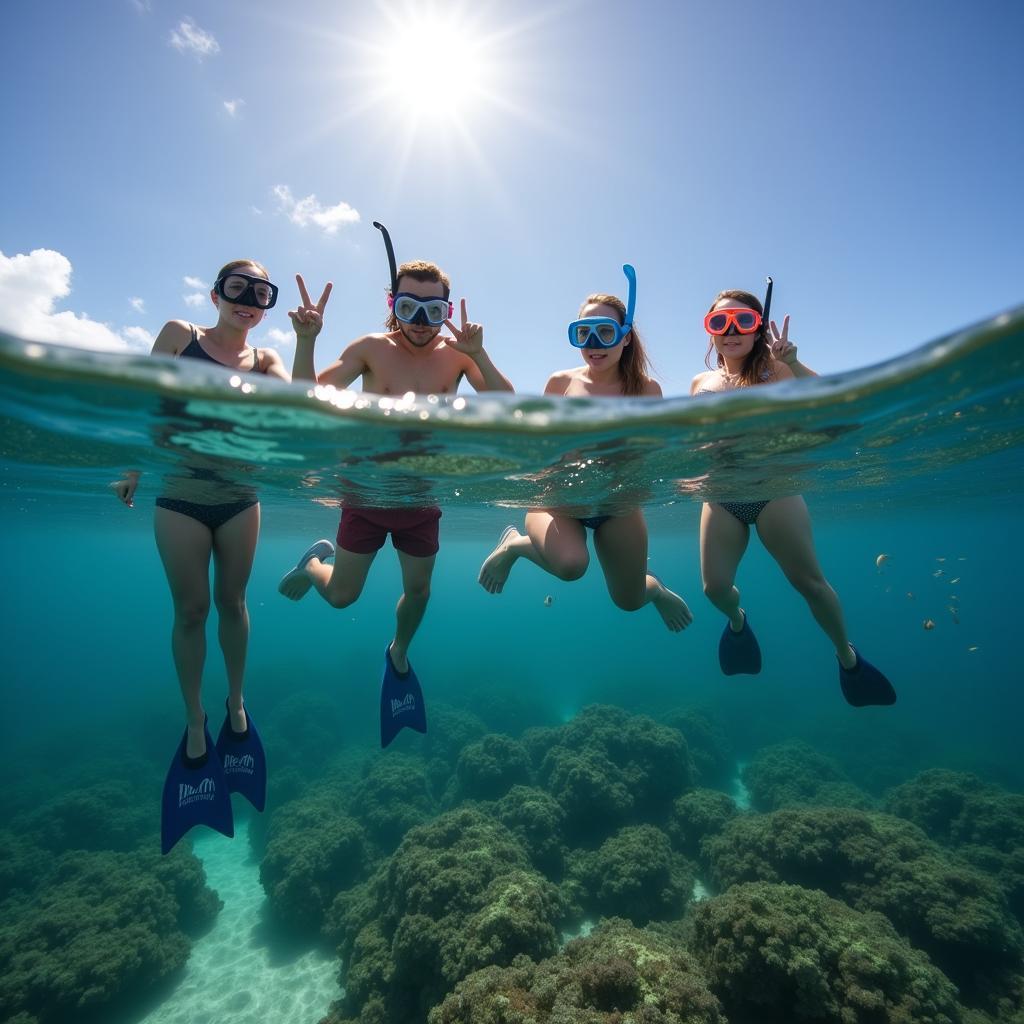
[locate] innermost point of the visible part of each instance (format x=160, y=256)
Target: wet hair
x=758, y=363
x=235, y=264
x=423, y=271
x=634, y=365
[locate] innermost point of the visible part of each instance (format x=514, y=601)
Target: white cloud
x=188, y=37
x=256, y=210
x=232, y=106
x=195, y=299
x=139, y=305
x=277, y=338
x=30, y=287
x=310, y=211
x=194, y=282
x=138, y=337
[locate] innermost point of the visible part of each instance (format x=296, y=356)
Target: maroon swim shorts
x=413, y=530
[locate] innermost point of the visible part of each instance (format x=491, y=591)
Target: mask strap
x=391, y=257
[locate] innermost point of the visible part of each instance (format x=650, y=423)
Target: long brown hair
x=634, y=364
x=419, y=270
x=758, y=364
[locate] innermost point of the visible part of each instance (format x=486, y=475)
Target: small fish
x=971, y=650
x=937, y=559
x=910, y=595
x=957, y=580
x=963, y=558
x=881, y=560
x=548, y=601
x=928, y=624
x=939, y=572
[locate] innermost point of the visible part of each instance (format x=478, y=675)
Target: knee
x=192, y=614
x=231, y=606
x=630, y=602
x=419, y=591
x=810, y=586
x=718, y=590
x=570, y=566
x=341, y=597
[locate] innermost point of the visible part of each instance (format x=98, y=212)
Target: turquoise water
x=920, y=459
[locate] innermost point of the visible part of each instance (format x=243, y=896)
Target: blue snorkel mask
x=604, y=331
x=412, y=309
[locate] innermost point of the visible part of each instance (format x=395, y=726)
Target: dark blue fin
x=244, y=762
x=401, y=702
x=195, y=793
x=738, y=653
x=864, y=684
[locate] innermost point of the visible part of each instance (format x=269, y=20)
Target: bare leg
x=785, y=530
x=185, y=546
x=416, y=574
x=234, y=545
x=557, y=543
x=621, y=545
x=723, y=539
x=340, y=584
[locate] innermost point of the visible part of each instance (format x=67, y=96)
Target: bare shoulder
x=652, y=389
x=558, y=383
x=700, y=379
x=173, y=338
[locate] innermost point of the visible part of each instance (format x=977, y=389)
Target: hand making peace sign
x=782, y=348
x=308, y=319
x=470, y=339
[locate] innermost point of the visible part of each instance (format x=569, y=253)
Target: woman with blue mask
x=615, y=366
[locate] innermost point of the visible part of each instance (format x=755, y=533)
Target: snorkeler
x=208, y=517
x=412, y=356
x=748, y=356
x=615, y=364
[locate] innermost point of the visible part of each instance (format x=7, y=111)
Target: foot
x=296, y=582
x=239, y=722
x=195, y=746
x=864, y=685
x=671, y=607
x=399, y=658
x=499, y=562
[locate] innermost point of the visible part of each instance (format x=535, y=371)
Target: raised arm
x=480, y=371
x=308, y=321
x=349, y=366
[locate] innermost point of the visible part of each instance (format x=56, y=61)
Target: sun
x=433, y=60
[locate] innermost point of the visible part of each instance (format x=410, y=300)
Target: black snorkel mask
x=408, y=308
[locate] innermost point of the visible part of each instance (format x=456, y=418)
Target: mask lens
x=405, y=308
x=264, y=293
x=582, y=333
x=607, y=335
x=746, y=320
x=437, y=311
x=717, y=322
x=234, y=286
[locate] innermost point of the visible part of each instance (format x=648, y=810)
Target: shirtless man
x=411, y=356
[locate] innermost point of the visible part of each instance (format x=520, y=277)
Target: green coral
x=697, y=816
x=635, y=875
x=537, y=820
x=392, y=797
x=489, y=767
x=794, y=773
x=782, y=952
x=619, y=974
x=714, y=760
x=457, y=894
x=873, y=861
x=608, y=768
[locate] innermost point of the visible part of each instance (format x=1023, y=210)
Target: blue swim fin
x=244, y=762
x=195, y=793
x=864, y=684
x=401, y=701
x=739, y=653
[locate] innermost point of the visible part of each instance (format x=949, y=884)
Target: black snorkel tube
x=391, y=256
x=767, y=305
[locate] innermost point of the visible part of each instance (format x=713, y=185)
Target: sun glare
x=438, y=67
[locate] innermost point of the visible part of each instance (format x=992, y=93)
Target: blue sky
x=866, y=155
